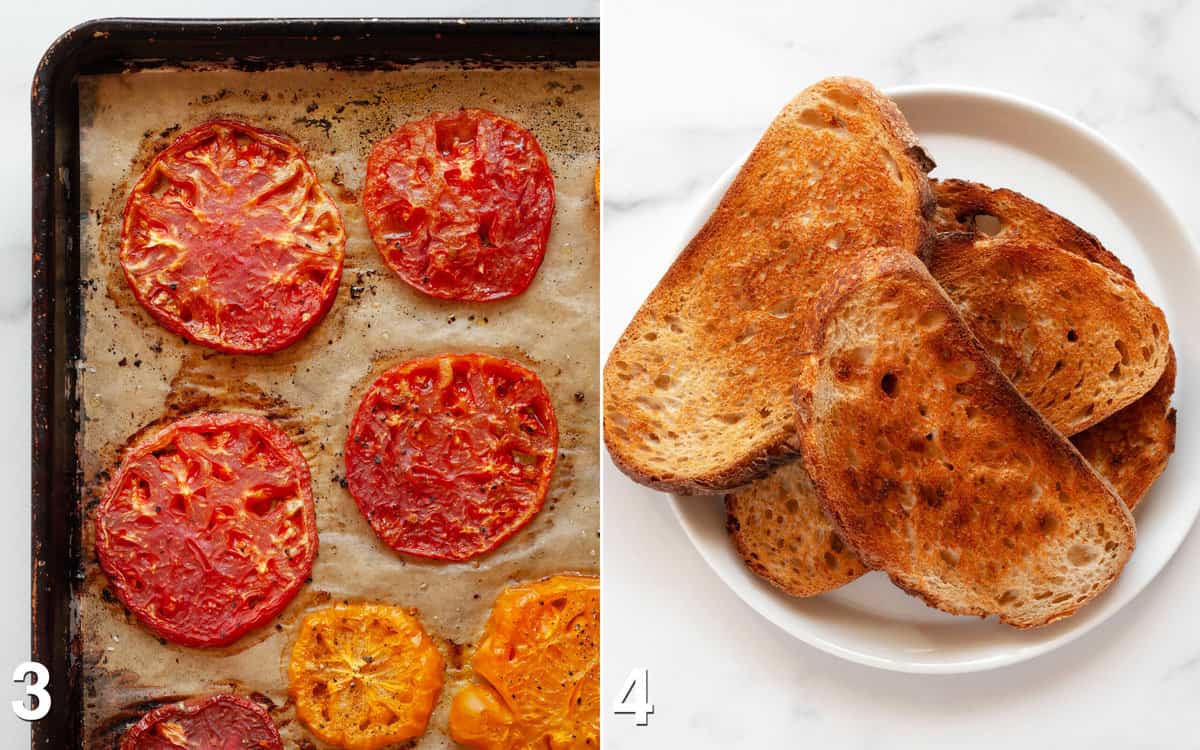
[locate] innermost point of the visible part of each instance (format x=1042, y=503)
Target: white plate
x=1004, y=141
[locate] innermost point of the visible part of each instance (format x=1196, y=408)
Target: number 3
x=36, y=690
x=628, y=702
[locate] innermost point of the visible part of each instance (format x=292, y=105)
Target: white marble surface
x=688, y=87
x=29, y=31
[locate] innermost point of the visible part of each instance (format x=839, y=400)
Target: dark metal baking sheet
x=136, y=44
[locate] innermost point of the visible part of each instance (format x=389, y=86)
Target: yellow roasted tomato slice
x=364, y=676
x=539, y=671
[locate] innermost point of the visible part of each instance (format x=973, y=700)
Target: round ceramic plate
x=1003, y=141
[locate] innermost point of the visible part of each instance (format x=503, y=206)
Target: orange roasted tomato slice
x=230, y=241
x=460, y=204
x=364, y=676
x=449, y=456
x=208, y=529
x=214, y=722
x=539, y=671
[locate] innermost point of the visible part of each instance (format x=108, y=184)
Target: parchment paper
x=136, y=374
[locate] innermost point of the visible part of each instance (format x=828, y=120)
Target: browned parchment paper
x=135, y=373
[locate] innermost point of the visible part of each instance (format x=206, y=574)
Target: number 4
x=36, y=690
x=635, y=702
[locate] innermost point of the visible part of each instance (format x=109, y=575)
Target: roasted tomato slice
x=539, y=671
x=449, y=456
x=208, y=529
x=364, y=676
x=460, y=204
x=214, y=722
x=230, y=241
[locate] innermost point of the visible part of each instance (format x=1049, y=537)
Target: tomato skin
x=449, y=456
x=460, y=204
x=214, y=722
x=229, y=240
x=207, y=530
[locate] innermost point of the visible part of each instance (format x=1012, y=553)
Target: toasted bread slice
x=776, y=524
x=933, y=467
x=1131, y=464
x=1131, y=448
x=1003, y=214
x=696, y=391
x=781, y=533
x=1078, y=341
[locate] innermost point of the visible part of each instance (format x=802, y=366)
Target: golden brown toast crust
x=960, y=204
x=1077, y=340
x=932, y=466
x=783, y=536
x=1131, y=448
x=696, y=389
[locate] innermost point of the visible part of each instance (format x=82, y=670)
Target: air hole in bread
x=1008, y=597
x=1072, y=336
x=988, y=224
x=730, y=418
x=830, y=560
x=1057, y=367
x=888, y=384
x=1082, y=554
x=662, y=381
x=1145, y=352
x=1123, y=350
x=951, y=556
x=1154, y=329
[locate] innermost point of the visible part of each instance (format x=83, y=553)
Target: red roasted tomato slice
x=449, y=456
x=208, y=528
x=214, y=722
x=230, y=241
x=459, y=204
